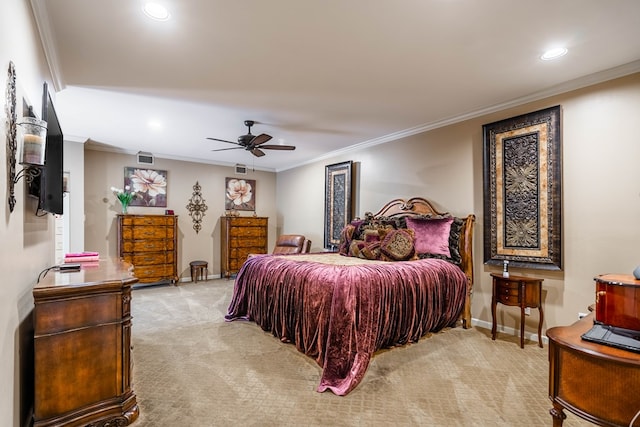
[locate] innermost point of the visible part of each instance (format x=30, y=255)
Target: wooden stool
x=199, y=270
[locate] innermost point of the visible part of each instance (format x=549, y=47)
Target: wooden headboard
x=419, y=206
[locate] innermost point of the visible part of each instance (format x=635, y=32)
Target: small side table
x=517, y=291
x=199, y=270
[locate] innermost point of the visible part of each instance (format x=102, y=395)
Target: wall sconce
x=34, y=141
x=32, y=138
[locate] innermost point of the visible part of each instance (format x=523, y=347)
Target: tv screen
x=51, y=191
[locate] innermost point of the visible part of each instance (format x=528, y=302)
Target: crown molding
x=40, y=13
x=568, y=86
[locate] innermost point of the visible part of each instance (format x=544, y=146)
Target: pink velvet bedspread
x=340, y=310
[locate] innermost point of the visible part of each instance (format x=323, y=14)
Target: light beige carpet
x=191, y=368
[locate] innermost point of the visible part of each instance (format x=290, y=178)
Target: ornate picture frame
x=150, y=186
x=522, y=190
x=338, y=211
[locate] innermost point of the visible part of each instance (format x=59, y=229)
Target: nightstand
x=517, y=291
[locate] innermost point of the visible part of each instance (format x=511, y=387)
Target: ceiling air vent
x=145, y=158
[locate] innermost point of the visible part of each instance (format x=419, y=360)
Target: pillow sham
x=431, y=235
x=397, y=245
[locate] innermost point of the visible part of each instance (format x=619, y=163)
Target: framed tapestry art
x=149, y=185
x=240, y=194
x=337, y=204
x=522, y=190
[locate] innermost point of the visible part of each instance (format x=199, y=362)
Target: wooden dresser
x=149, y=243
x=82, y=345
x=239, y=237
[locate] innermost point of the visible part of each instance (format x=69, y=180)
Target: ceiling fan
x=253, y=143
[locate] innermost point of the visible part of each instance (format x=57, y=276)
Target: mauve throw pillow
x=431, y=235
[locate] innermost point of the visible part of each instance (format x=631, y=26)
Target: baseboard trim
x=509, y=331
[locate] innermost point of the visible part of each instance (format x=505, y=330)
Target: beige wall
x=600, y=200
x=27, y=240
x=104, y=170
x=601, y=192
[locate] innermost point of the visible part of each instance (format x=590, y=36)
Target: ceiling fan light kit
x=253, y=143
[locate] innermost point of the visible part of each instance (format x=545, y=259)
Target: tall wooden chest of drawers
x=239, y=237
x=149, y=243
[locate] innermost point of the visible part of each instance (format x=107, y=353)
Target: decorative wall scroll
x=337, y=203
x=522, y=190
x=150, y=186
x=197, y=207
x=240, y=194
x=12, y=145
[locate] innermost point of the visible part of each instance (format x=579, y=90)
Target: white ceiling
x=321, y=75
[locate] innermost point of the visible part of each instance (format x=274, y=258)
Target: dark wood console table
x=596, y=382
x=82, y=346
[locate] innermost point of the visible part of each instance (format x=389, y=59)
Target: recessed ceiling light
x=155, y=125
x=156, y=11
x=554, y=53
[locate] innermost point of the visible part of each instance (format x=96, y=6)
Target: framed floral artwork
x=150, y=186
x=522, y=190
x=240, y=194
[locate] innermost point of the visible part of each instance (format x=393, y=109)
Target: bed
x=391, y=282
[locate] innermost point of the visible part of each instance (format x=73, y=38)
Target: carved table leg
x=558, y=415
x=493, y=312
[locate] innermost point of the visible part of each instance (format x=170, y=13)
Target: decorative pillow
x=362, y=249
x=397, y=245
x=346, y=235
x=370, y=223
x=431, y=235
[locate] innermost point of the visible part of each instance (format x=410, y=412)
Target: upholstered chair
x=290, y=244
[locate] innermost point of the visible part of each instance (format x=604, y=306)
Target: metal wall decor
x=10, y=108
x=197, y=207
x=522, y=191
x=338, y=210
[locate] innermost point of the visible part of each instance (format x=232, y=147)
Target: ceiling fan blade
x=278, y=147
x=257, y=152
x=225, y=149
x=260, y=139
x=223, y=140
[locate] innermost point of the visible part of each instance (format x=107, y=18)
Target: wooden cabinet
x=82, y=345
x=239, y=237
x=149, y=243
x=596, y=382
x=521, y=292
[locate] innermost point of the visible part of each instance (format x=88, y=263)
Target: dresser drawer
x=507, y=290
x=145, y=272
x=247, y=222
x=152, y=220
x=248, y=242
x=138, y=233
x=70, y=314
x=247, y=232
x=509, y=298
x=243, y=253
x=149, y=258
x=147, y=245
